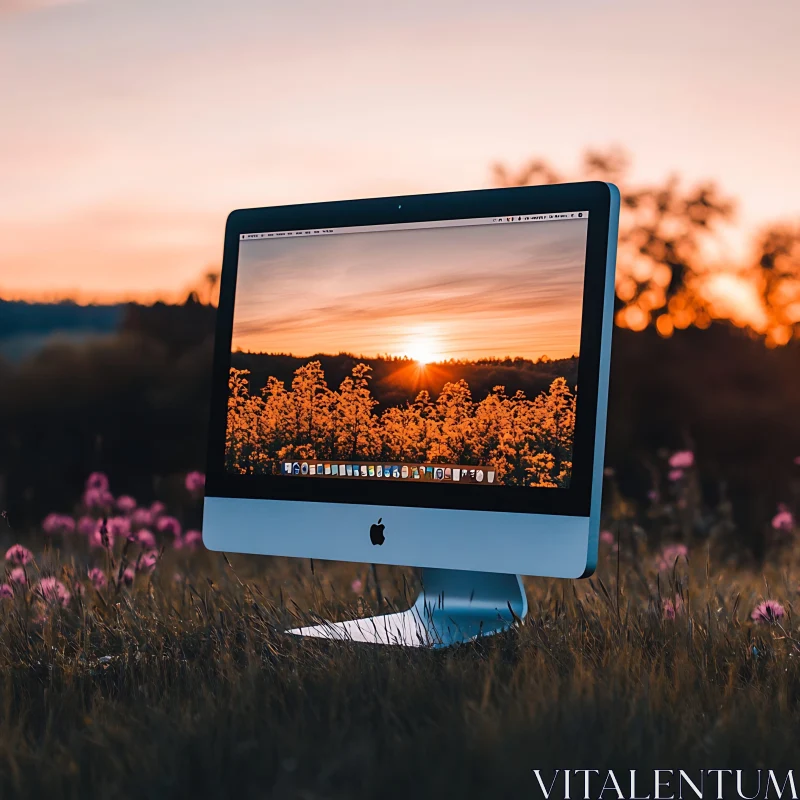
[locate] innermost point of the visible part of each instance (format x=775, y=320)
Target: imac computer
x=418, y=381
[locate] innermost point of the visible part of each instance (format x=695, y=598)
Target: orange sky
x=130, y=128
x=452, y=292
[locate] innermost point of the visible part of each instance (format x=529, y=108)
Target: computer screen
x=440, y=352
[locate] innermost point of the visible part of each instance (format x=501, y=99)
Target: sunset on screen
x=481, y=291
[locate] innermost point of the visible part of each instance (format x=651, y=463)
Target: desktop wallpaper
x=453, y=345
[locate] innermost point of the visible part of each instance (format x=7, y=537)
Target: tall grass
x=183, y=686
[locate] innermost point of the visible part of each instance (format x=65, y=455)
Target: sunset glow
x=735, y=297
x=424, y=348
x=127, y=145
x=464, y=292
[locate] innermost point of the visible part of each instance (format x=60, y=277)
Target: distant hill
x=395, y=381
x=18, y=317
x=26, y=328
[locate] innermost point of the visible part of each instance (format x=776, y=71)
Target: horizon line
x=392, y=357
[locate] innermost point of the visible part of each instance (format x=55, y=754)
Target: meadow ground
x=182, y=683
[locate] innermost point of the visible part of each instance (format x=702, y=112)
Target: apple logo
x=376, y=533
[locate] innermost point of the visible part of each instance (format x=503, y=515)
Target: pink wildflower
x=142, y=518
x=653, y=496
x=169, y=525
x=670, y=554
x=101, y=536
x=58, y=524
x=98, y=498
x=783, y=521
x=606, y=537
x=195, y=482
x=671, y=608
x=157, y=509
x=357, y=586
x=97, y=480
x=145, y=539
x=78, y=589
x=797, y=460
x=147, y=561
x=17, y=554
x=126, y=504
x=767, y=612
x=675, y=475
x=87, y=525
x=128, y=576
x=98, y=578
x=119, y=527
x=192, y=539
x=683, y=459
x=52, y=591
x=18, y=576
x=177, y=577
x=6, y=591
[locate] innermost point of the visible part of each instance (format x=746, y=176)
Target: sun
x=423, y=348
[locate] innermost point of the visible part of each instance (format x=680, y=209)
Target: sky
x=464, y=292
x=129, y=129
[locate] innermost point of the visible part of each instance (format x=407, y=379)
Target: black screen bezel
x=574, y=500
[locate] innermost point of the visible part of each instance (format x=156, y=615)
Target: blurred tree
x=778, y=280
x=664, y=274
x=211, y=285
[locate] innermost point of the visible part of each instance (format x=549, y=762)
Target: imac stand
x=453, y=606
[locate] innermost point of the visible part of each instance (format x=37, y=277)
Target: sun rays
x=424, y=345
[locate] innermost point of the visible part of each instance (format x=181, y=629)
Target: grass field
x=183, y=685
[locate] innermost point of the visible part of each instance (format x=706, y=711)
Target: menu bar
x=444, y=223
